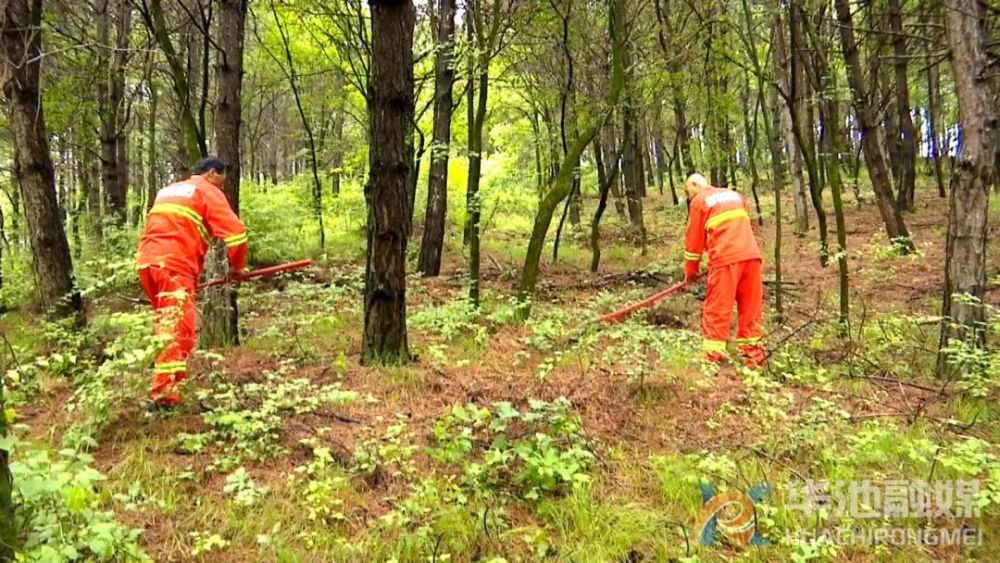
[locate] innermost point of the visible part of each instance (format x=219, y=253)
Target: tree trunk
x=293, y=81
x=392, y=109
x=605, y=178
x=773, y=131
x=934, y=122
x=111, y=104
x=220, y=319
x=908, y=134
x=562, y=183
x=750, y=132
x=194, y=138
x=611, y=160
x=139, y=158
x=432, y=243
x=965, y=257
x=62, y=182
x=803, y=132
x=152, y=182
x=893, y=219
x=474, y=199
x=8, y=521
x=22, y=47
x=781, y=66
x=537, y=136
x=485, y=37
x=634, y=177
x=416, y=151
x=78, y=200
x=338, y=150
x=830, y=117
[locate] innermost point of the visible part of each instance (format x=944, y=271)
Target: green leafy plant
x=61, y=509
x=538, y=451
x=245, y=491
x=245, y=420
x=207, y=542
x=390, y=453
x=456, y=318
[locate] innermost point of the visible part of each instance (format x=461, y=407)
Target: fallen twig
x=764, y=454
x=902, y=382
x=13, y=356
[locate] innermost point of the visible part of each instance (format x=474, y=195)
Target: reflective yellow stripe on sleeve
x=236, y=240
x=725, y=217
x=182, y=211
x=691, y=256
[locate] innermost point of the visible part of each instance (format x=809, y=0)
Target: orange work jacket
x=719, y=223
x=183, y=221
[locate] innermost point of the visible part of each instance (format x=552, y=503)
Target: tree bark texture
x=20, y=39
x=432, y=243
x=965, y=258
x=392, y=108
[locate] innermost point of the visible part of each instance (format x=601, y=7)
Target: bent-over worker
x=719, y=224
x=185, y=219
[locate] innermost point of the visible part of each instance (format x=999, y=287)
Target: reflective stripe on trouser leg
x=750, y=313
x=717, y=314
x=709, y=346
x=750, y=302
x=173, y=299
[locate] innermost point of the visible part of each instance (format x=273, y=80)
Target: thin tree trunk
x=537, y=136
x=965, y=251
x=893, y=219
x=152, y=182
x=392, y=109
x=803, y=131
x=773, y=130
x=781, y=66
x=830, y=117
x=671, y=165
x=220, y=321
x=634, y=177
x=656, y=164
x=908, y=134
x=470, y=122
x=605, y=178
x=934, y=122
x=750, y=131
x=416, y=151
x=20, y=39
x=111, y=99
x=609, y=157
x=8, y=520
x=293, y=81
x=562, y=183
x=474, y=212
x=668, y=47
x=77, y=200
x=140, y=157
x=195, y=145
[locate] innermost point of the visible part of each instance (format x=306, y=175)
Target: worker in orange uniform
x=184, y=220
x=719, y=223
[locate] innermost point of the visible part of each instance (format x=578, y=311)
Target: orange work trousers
x=740, y=284
x=173, y=298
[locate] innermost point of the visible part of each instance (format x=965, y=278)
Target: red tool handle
x=622, y=314
x=263, y=272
